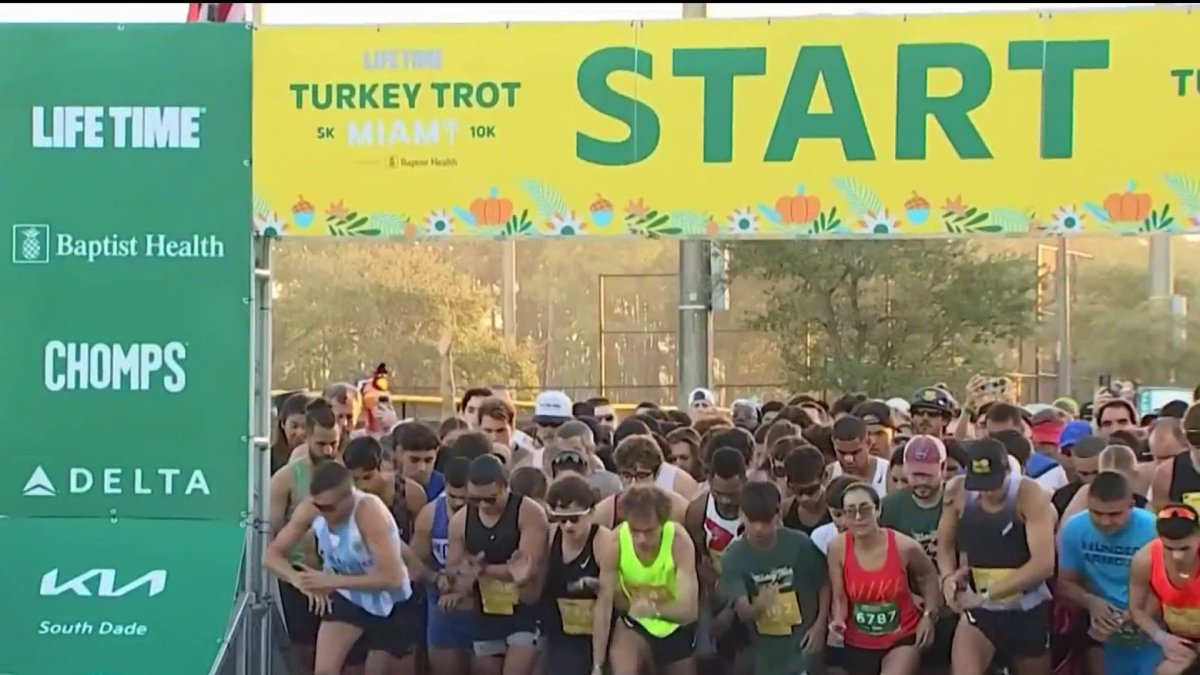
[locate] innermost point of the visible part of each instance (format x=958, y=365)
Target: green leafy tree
x=342, y=307
x=886, y=317
x=1118, y=331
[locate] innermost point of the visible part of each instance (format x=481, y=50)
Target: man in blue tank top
x=364, y=580
x=450, y=634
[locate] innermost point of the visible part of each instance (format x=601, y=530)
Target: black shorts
x=677, y=646
x=858, y=661
x=567, y=654
x=298, y=619
x=392, y=634
x=1017, y=633
x=938, y=653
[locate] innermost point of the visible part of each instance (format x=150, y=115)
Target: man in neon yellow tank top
x=650, y=577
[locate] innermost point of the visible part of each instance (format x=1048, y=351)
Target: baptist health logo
x=31, y=244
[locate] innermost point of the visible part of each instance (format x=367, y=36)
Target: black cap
x=875, y=412
x=987, y=465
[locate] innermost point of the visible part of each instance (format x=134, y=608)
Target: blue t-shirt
x=1103, y=559
x=437, y=483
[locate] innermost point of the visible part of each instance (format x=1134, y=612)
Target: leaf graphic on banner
x=388, y=224
x=690, y=223
x=861, y=199
x=261, y=207
x=1186, y=190
x=1010, y=220
x=548, y=201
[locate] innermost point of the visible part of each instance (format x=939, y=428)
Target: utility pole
x=1062, y=315
x=695, y=294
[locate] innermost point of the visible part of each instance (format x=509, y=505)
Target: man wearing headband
x=578, y=625
x=1164, y=576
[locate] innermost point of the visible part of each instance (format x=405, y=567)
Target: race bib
x=498, y=597
x=876, y=618
x=659, y=595
x=1192, y=499
x=1183, y=621
x=985, y=577
x=781, y=615
x=576, y=615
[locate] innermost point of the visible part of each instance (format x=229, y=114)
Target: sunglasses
x=326, y=508
x=1177, y=512
x=607, y=418
x=636, y=475
x=572, y=518
x=477, y=501
x=863, y=511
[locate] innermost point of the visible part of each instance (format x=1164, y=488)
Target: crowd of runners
x=858, y=536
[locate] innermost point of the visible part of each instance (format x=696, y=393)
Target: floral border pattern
x=542, y=212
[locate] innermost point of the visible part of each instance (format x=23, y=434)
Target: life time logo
x=38, y=244
x=167, y=482
x=88, y=366
x=94, y=127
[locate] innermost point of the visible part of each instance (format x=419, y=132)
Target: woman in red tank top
x=873, y=608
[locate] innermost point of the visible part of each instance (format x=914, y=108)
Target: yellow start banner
x=996, y=124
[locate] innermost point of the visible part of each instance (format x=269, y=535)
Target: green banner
x=87, y=597
x=126, y=197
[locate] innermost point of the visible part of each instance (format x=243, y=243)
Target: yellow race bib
x=576, y=615
x=1183, y=621
x=781, y=615
x=1192, y=499
x=985, y=577
x=659, y=595
x=498, y=597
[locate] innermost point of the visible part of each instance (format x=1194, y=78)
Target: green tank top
x=655, y=581
x=301, y=475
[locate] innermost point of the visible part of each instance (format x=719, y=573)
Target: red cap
x=1048, y=432
x=924, y=453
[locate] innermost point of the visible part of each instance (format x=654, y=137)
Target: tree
x=886, y=317
x=342, y=307
x=1118, y=331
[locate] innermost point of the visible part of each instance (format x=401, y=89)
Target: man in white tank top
x=364, y=583
x=853, y=455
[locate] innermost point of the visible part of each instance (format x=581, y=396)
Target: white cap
x=552, y=407
x=702, y=395
x=898, y=404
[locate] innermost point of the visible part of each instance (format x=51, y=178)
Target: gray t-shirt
x=607, y=482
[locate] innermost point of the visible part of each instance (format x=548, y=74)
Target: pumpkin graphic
x=602, y=211
x=492, y=210
x=1130, y=207
x=798, y=209
x=917, y=209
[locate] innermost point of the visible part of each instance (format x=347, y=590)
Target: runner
x=915, y=512
x=288, y=488
x=713, y=524
x=805, y=509
x=1178, y=480
x=1164, y=583
x=289, y=429
x=415, y=445
x=450, y=634
x=654, y=568
x=578, y=626
x=872, y=606
x=1003, y=523
x=364, y=582
x=638, y=459
x=1094, y=554
x=497, y=543
x=853, y=457
x=777, y=580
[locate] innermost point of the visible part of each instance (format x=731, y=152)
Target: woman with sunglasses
x=578, y=626
x=873, y=609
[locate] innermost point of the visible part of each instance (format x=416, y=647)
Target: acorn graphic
x=602, y=211
x=917, y=209
x=303, y=212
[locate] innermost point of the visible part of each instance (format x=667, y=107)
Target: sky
x=288, y=13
